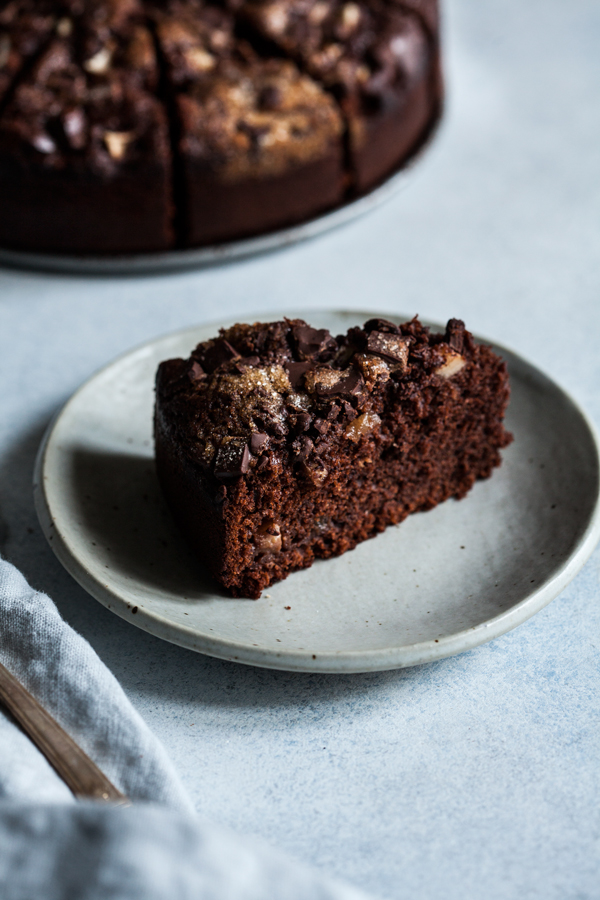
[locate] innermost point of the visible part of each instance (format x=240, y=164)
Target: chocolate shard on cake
x=277, y=444
x=376, y=57
x=260, y=144
x=84, y=148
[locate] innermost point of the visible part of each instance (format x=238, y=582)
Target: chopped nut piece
x=44, y=143
x=64, y=27
x=276, y=18
x=219, y=39
x=268, y=537
x=350, y=16
x=199, y=60
x=318, y=13
x=453, y=364
x=117, y=142
x=74, y=126
x=328, y=56
x=362, y=425
x=314, y=472
x=99, y=63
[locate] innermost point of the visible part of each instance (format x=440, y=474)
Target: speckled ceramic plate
x=442, y=582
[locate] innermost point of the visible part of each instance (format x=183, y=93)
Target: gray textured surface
x=473, y=777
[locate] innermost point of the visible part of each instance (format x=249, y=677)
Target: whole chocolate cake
x=278, y=443
x=131, y=126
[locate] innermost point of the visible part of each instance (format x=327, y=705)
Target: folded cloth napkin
x=58, y=849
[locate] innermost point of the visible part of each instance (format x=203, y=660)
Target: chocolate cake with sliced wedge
x=142, y=126
x=278, y=443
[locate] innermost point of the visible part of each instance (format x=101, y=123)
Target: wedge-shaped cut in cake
x=260, y=144
x=277, y=444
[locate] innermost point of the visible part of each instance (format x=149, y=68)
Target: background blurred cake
x=130, y=126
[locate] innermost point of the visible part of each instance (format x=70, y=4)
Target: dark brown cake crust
x=278, y=444
x=121, y=129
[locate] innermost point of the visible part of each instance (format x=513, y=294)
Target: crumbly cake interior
x=278, y=443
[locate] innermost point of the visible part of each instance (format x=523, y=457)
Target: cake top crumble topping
x=262, y=389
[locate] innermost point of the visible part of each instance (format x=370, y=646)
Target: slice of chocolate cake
x=84, y=147
x=260, y=145
x=379, y=61
x=277, y=443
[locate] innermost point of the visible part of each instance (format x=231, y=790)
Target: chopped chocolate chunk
x=196, y=372
x=310, y=342
x=348, y=410
x=218, y=353
x=303, y=447
x=232, y=460
x=262, y=464
x=346, y=385
x=296, y=372
x=381, y=325
x=392, y=347
x=269, y=98
x=302, y=422
x=247, y=362
x=258, y=442
x=455, y=334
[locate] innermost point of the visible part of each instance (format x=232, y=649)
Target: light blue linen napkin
x=54, y=847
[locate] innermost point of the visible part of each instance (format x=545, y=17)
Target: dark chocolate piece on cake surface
x=377, y=58
x=84, y=149
x=321, y=442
